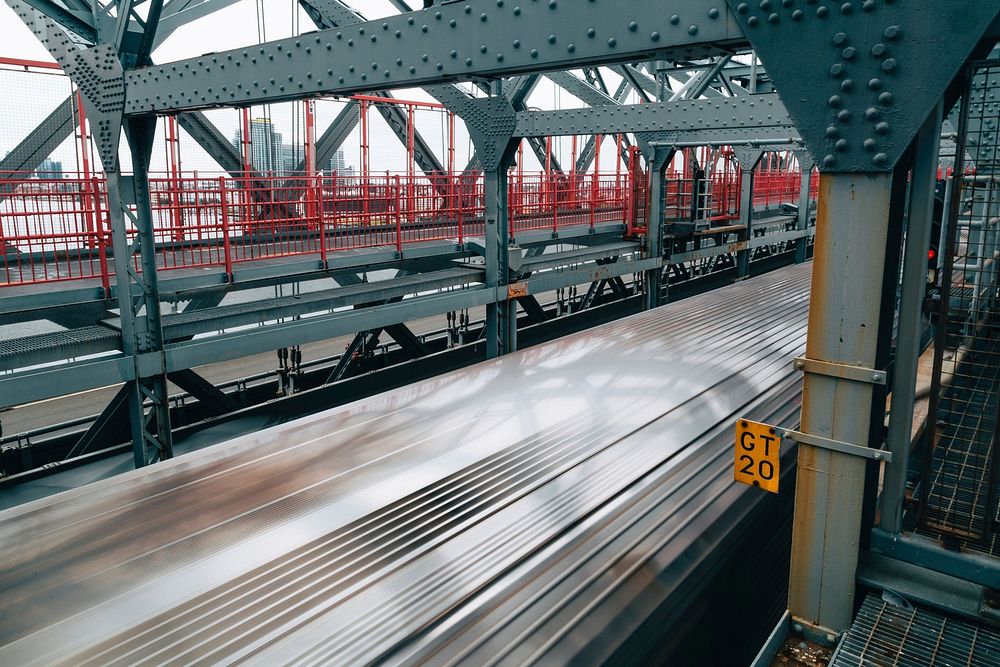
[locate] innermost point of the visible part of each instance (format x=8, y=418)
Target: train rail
x=477, y=516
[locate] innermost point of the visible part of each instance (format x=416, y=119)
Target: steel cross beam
x=450, y=41
x=764, y=115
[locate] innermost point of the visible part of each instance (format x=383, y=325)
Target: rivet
x=655, y=36
x=571, y=47
x=765, y=5
x=832, y=131
x=836, y=70
x=880, y=159
x=829, y=160
x=552, y=39
x=840, y=145
x=534, y=53
x=874, y=84
x=713, y=13
x=773, y=19
x=612, y=42
x=846, y=8
x=882, y=127
x=834, y=101
x=752, y=21
x=413, y=70
x=840, y=38
x=869, y=145
x=822, y=11
x=674, y=19
x=633, y=26
x=742, y=8
x=692, y=30
x=885, y=99
x=591, y=32
x=516, y=43
x=499, y=57
x=483, y=17
x=878, y=50
x=847, y=85
x=849, y=52
x=871, y=113
x=868, y=5
x=482, y=49
x=892, y=32
x=844, y=115
x=889, y=64
x=797, y=15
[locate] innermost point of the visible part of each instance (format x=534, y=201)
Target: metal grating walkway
x=887, y=635
x=959, y=484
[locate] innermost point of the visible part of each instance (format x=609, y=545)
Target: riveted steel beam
x=876, y=69
x=451, y=41
x=750, y=113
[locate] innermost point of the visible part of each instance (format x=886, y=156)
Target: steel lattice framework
x=861, y=86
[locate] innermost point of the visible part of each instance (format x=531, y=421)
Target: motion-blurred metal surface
x=536, y=507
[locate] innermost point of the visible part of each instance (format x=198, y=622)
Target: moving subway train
x=572, y=501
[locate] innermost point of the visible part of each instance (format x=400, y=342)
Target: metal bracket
x=837, y=446
x=840, y=371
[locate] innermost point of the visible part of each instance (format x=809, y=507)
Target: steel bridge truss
x=863, y=85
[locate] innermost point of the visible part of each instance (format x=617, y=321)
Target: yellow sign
x=758, y=449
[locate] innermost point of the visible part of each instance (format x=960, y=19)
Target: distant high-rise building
x=266, y=148
x=338, y=165
x=337, y=162
x=49, y=168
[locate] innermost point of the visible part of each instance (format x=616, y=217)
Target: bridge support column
x=748, y=158
x=658, y=158
x=139, y=302
x=491, y=122
x=501, y=316
x=844, y=313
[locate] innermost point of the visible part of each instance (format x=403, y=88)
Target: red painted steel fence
x=55, y=229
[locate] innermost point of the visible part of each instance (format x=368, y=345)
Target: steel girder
x=40, y=142
x=764, y=115
x=452, y=41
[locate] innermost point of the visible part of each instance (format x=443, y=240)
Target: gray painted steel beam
x=453, y=41
x=40, y=142
x=762, y=117
x=207, y=393
x=109, y=426
x=910, y=320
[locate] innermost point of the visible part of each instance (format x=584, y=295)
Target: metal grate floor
x=959, y=482
x=887, y=635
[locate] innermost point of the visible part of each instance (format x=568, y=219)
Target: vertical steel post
x=227, y=252
x=137, y=292
x=89, y=218
x=500, y=330
x=802, y=219
x=748, y=159
x=657, y=167
x=844, y=317
x=918, y=234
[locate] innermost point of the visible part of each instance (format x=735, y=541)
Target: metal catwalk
x=542, y=506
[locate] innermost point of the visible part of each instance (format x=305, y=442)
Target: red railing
x=55, y=229
x=52, y=230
